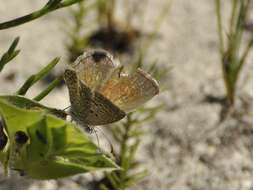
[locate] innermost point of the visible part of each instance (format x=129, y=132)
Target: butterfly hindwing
x=130, y=91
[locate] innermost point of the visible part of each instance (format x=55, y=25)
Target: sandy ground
x=187, y=149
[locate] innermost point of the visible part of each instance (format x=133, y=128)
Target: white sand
x=175, y=153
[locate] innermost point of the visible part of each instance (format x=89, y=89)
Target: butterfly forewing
x=93, y=68
x=79, y=95
x=130, y=91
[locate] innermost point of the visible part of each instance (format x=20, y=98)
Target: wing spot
x=98, y=55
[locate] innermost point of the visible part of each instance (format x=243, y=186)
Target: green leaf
x=138, y=133
x=132, y=151
x=136, y=178
x=115, y=177
x=140, y=175
x=103, y=187
x=112, y=181
x=54, y=148
x=22, y=102
x=13, y=45
x=10, y=54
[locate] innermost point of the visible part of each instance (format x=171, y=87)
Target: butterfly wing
x=99, y=94
x=87, y=107
x=79, y=98
x=130, y=91
x=102, y=111
x=94, y=67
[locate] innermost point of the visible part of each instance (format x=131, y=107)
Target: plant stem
x=32, y=16
x=123, y=150
x=219, y=27
x=48, y=89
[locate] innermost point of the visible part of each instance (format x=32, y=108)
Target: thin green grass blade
x=220, y=28
x=45, y=92
x=103, y=187
x=112, y=181
x=13, y=45
x=140, y=175
x=34, y=78
x=10, y=54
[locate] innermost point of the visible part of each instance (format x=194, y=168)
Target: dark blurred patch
x=98, y=55
x=10, y=77
x=41, y=137
x=50, y=77
x=206, y=159
x=248, y=26
x=95, y=185
x=3, y=137
x=223, y=101
x=114, y=39
x=21, y=137
x=214, y=99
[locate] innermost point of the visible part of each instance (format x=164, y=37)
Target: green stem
x=48, y=89
x=233, y=17
x=123, y=149
x=32, y=16
x=245, y=54
x=34, y=78
x=219, y=27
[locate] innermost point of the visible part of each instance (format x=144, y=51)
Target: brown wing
x=94, y=67
x=130, y=91
x=79, y=98
x=89, y=108
x=103, y=111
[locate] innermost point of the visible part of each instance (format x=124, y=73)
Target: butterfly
x=100, y=93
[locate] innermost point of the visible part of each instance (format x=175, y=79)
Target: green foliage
x=129, y=130
x=40, y=145
x=232, y=62
x=54, y=147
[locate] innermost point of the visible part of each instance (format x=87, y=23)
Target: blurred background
x=187, y=146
